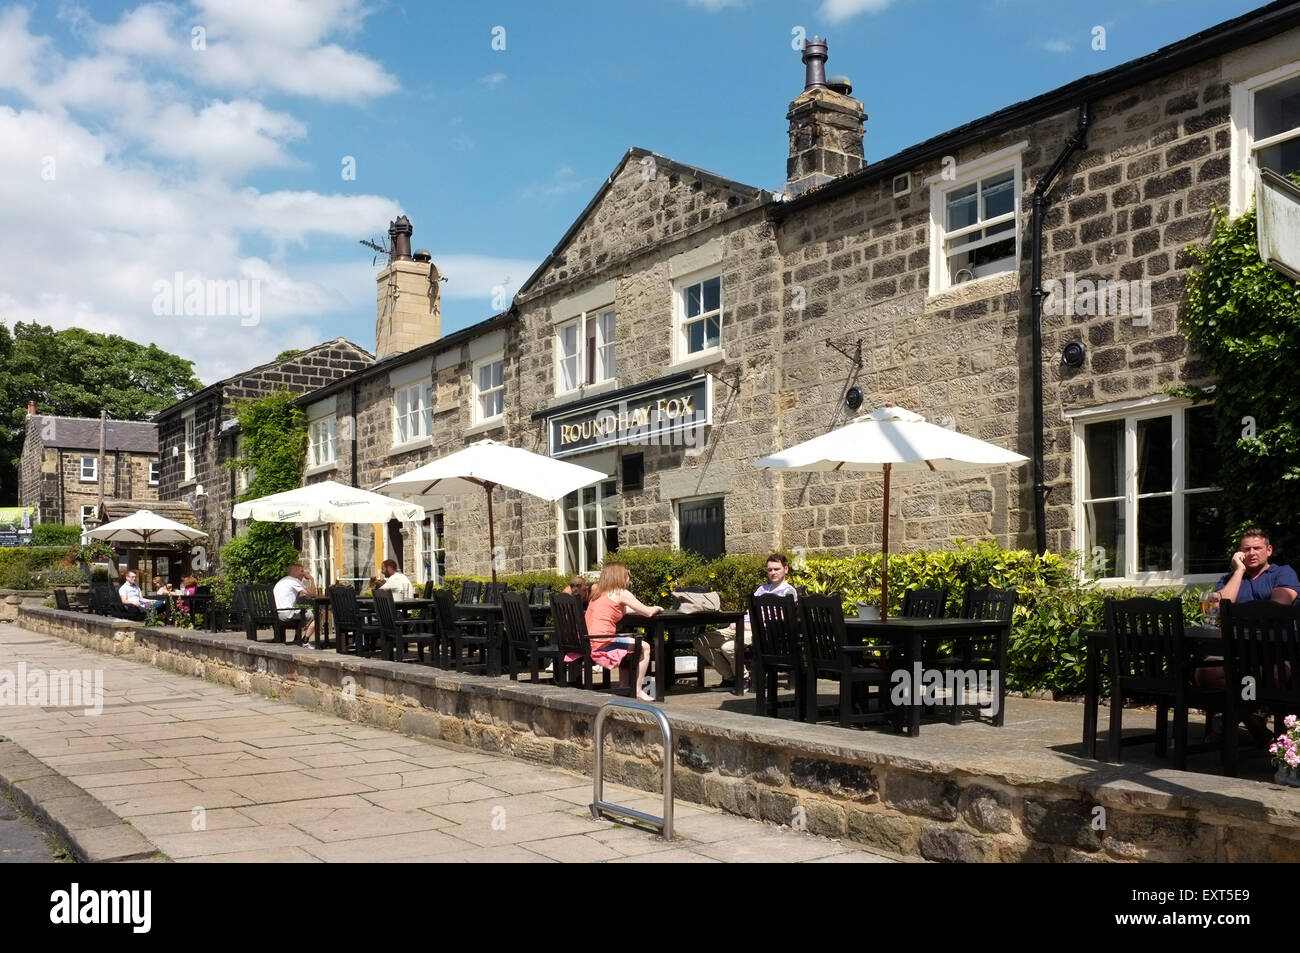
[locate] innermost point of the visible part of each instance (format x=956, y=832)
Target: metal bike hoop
x=598, y=806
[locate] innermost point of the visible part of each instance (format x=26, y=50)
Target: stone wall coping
x=1116, y=785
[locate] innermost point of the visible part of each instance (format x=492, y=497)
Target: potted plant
x=1286, y=753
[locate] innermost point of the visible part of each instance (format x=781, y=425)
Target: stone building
x=198, y=435
x=686, y=324
x=60, y=474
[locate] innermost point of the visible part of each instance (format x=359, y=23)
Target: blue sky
x=138, y=140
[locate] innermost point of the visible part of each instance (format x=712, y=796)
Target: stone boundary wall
x=874, y=789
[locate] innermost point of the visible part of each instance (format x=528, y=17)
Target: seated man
x=287, y=591
x=718, y=647
x=396, y=582
x=132, y=599
x=1252, y=578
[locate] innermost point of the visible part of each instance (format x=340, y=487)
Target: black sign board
x=11, y=539
x=657, y=417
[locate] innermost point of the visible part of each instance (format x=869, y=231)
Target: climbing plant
x=274, y=445
x=1242, y=317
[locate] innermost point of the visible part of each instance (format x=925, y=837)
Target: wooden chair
x=539, y=595
x=987, y=652
x=775, y=623
x=1149, y=664
x=470, y=591
x=493, y=593
x=571, y=639
x=104, y=600
x=521, y=642
x=259, y=612
x=457, y=642
x=349, y=623
x=1261, y=660
x=827, y=655
x=924, y=603
x=396, y=633
x=61, y=601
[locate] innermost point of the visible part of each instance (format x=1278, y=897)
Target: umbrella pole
x=492, y=538
x=884, y=557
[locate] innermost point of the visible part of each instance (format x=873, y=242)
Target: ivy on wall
x=274, y=447
x=1242, y=317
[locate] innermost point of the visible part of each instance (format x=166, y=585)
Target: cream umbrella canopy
x=485, y=465
x=328, y=502
x=890, y=437
x=145, y=526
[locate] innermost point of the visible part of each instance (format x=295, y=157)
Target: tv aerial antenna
x=380, y=249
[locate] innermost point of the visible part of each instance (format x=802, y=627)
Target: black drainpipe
x=1074, y=143
x=354, y=467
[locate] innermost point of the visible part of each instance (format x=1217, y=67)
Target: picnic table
x=912, y=634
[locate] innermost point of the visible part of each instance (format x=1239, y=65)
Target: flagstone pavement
x=211, y=774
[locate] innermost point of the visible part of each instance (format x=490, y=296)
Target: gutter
x=1077, y=142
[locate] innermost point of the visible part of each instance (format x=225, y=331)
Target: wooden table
x=495, y=616
x=1202, y=637
x=911, y=634
x=653, y=626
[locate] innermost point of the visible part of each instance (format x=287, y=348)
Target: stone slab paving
x=209, y=774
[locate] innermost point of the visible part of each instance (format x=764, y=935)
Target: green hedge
x=55, y=534
x=1046, y=651
x=26, y=567
x=515, y=582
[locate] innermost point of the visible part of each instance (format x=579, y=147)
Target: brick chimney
x=825, y=126
x=408, y=293
x=31, y=408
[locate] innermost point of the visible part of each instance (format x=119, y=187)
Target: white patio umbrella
x=485, y=465
x=328, y=502
x=889, y=437
x=146, y=527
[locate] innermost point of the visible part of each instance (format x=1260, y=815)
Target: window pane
x=1104, y=528
x=591, y=555
x=999, y=195
x=1277, y=108
x=1155, y=461
x=570, y=512
x=712, y=332
x=1204, y=522
x=702, y=527
x=693, y=301
x=1104, y=446
x=569, y=373
x=1155, y=534
x=611, y=540
x=1202, y=464
x=712, y=294
x=695, y=337
x=609, y=503
x=962, y=205
x=571, y=560
x=498, y=373
x=1283, y=158
x=569, y=340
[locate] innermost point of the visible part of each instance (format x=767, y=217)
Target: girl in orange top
x=610, y=600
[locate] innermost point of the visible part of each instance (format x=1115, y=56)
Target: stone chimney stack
x=825, y=126
x=31, y=408
x=408, y=293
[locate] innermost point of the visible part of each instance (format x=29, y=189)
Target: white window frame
x=190, y=446
x=94, y=470
x=323, y=438
x=428, y=548
x=984, y=167
x=419, y=415
x=681, y=325
x=87, y=515
x=322, y=557
x=478, y=395
x=602, y=366
x=1131, y=412
x=1243, y=147
x=561, y=531
x=155, y=472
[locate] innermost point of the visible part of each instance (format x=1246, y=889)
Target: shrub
x=21, y=566
x=55, y=534
x=656, y=572
x=260, y=555
x=516, y=582
x=732, y=577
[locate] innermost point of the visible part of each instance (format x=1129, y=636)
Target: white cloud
x=562, y=182
x=493, y=80
x=715, y=5
x=476, y=276
x=837, y=11
x=1058, y=46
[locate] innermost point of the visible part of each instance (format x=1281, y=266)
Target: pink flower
x=1292, y=759
x=1289, y=721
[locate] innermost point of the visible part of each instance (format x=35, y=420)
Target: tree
x=76, y=373
x=1243, y=319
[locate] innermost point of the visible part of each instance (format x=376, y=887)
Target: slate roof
x=82, y=433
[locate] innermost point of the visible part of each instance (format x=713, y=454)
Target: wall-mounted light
x=1072, y=355
x=853, y=398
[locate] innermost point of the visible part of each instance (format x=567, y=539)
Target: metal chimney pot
x=399, y=239
x=814, y=58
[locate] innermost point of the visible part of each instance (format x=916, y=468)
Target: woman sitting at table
x=610, y=601
x=580, y=587
x=189, y=586
x=159, y=586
